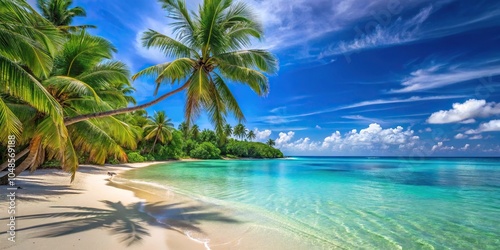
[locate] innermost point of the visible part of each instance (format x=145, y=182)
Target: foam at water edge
x=202, y=241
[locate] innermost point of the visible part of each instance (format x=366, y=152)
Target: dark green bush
x=135, y=157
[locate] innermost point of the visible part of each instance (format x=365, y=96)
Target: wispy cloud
x=397, y=100
x=399, y=32
x=415, y=28
x=440, y=75
x=362, y=118
x=284, y=119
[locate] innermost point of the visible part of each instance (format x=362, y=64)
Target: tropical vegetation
x=66, y=100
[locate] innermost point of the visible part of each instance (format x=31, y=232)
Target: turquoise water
x=352, y=203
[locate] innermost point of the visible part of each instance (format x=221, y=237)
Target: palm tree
x=228, y=130
x=251, y=135
x=184, y=128
x=210, y=50
x=240, y=131
x=160, y=128
x=195, y=131
x=83, y=80
x=271, y=142
x=59, y=13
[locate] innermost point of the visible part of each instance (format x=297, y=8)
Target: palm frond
x=19, y=83
x=175, y=71
x=10, y=123
x=257, y=81
x=169, y=46
x=252, y=58
x=183, y=24
x=71, y=86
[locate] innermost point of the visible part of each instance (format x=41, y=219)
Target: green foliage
x=206, y=150
x=188, y=146
x=173, y=149
x=113, y=161
x=135, y=157
x=252, y=149
x=208, y=136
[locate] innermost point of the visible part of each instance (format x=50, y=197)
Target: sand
x=97, y=211
x=90, y=213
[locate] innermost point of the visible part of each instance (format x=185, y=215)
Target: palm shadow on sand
x=128, y=222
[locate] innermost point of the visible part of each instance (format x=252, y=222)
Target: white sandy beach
x=96, y=212
x=44, y=190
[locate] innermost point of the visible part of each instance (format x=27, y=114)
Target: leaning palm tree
x=61, y=15
x=240, y=131
x=271, y=142
x=251, y=135
x=160, y=128
x=210, y=48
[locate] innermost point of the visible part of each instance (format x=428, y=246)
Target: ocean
x=343, y=203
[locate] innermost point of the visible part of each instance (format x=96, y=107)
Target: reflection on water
x=352, y=202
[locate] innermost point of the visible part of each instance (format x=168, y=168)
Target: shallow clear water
x=353, y=203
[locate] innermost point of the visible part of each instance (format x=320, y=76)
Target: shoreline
x=103, y=212
x=89, y=213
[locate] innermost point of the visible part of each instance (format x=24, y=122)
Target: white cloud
x=476, y=137
x=374, y=138
x=437, y=146
x=318, y=127
x=460, y=136
x=262, y=135
x=440, y=146
x=284, y=138
x=428, y=130
x=335, y=138
x=491, y=126
x=465, y=147
x=465, y=112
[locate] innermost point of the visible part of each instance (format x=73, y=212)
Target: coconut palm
x=160, y=128
x=251, y=135
x=240, y=131
x=271, y=142
x=83, y=80
x=184, y=128
x=59, y=13
x=195, y=131
x=210, y=50
x=228, y=130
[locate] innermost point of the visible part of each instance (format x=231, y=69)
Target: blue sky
x=357, y=77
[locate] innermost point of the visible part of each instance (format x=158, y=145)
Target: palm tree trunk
x=18, y=156
x=4, y=180
x=72, y=120
x=154, y=143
